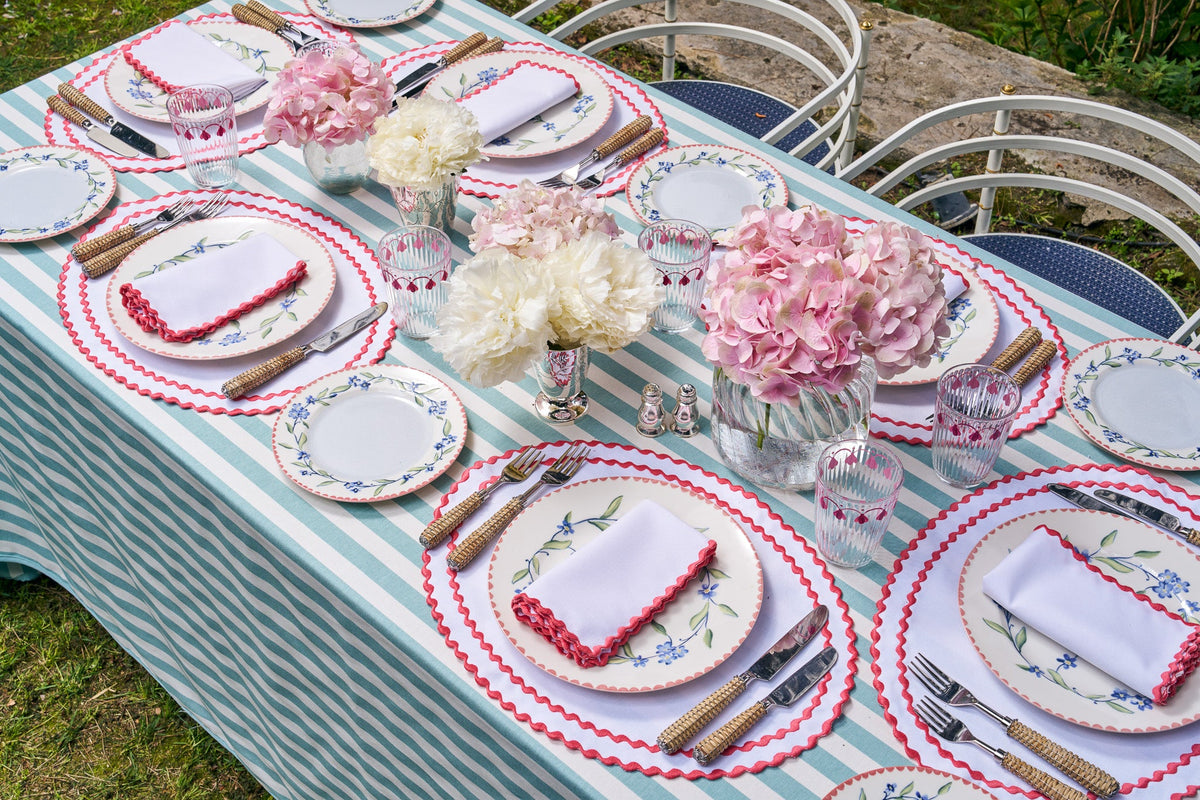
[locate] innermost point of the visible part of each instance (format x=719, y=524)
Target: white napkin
x=517, y=96
x=953, y=283
x=196, y=297
x=174, y=56
x=1050, y=587
x=591, y=604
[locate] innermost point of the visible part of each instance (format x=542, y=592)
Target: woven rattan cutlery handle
x=681, y=731
x=61, y=107
x=109, y=259
x=492, y=45
x=1191, y=534
x=90, y=248
x=715, y=743
x=479, y=538
x=1017, y=349
x=84, y=103
x=267, y=13
x=1039, y=358
x=641, y=145
x=254, y=377
x=464, y=48
x=436, y=532
x=251, y=17
x=624, y=136
x=1047, y=785
x=1086, y=774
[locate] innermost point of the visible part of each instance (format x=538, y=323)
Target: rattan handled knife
x=413, y=82
x=97, y=112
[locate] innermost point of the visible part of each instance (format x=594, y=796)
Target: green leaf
x=1019, y=641
x=1108, y=540
x=1146, y=553
x=1054, y=676
x=906, y=790
x=556, y=544
x=520, y=575
x=698, y=618
x=945, y=789
x=997, y=627
x=613, y=506
x=718, y=574
x=658, y=627
x=726, y=610
x=1114, y=705
x=1114, y=565
x=708, y=637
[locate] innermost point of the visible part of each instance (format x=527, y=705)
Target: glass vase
x=776, y=444
x=340, y=169
x=560, y=376
x=432, y=205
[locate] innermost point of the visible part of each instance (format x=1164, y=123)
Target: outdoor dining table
x=336, y=658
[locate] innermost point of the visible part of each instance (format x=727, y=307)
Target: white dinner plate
x=261, y=50
x=567, y=124
x=47, y=190
x=708, y=184
x=367, y=13
x=907, y=783
x=702, y=627
x=1146, y=560
x=1138, y=399
x=369, y=433
x=280, y=318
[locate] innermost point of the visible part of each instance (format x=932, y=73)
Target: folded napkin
x=196, y=297
x=593, y=602
x=1050, y=586
x=517, y=96
x=953, y=283
x=173, y=56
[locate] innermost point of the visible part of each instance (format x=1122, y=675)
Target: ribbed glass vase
x=777, y=445
x=340, y=169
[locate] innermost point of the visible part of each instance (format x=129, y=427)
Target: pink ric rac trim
x=531, y=611
x=139, y=65
x=148, y=319
x=1186, y=658
x=512, y=70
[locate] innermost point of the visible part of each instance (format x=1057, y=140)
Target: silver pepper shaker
x=652, y=419
x=686, y=419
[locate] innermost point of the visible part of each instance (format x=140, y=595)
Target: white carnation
x=423, y=142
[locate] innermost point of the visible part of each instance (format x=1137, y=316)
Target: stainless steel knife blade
x=97, y=135
x=1085, y=501
x=803, y=679
x=681, y=731
x=412, y=82
x=97, y=112
x=1151, y=514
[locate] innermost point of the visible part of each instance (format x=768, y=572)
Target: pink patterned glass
x=975, y=408
x=416, y=265
x=858, y=483
x=205, y=127
x=679, y=251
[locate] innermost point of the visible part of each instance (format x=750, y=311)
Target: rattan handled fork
x=515, y=471
x=952, y=730
x=110, y=259
x=949, y=691
x=90, y=248
x=561, y=471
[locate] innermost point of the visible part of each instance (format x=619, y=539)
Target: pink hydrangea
x=798, y=300
x=532, y=221
x=329, y=97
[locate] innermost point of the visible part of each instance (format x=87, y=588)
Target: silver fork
x=624, y=158
x=515, y=471
x=561, y=471
x=950, y=691
x=109, y=259
x=612, y=144
x=90, y=248
x=952, y=730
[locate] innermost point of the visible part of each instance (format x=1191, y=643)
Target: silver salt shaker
x=686, y=419
x=652, y=420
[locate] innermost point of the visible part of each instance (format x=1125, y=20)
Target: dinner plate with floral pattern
x=367, y=13
x=907, y=783
x=47, y=190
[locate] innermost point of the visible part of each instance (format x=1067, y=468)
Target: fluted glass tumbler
x=973, y=414
x=416, y=266
x=205, y=127
x=858, y=483
x=679, y=251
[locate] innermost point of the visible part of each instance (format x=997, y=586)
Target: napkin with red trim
x=521, y=93
x=1051, y=587
x=593, y=602
x=194, y=298
x=173, y=55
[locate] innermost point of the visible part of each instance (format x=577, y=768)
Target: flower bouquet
x=532, y=221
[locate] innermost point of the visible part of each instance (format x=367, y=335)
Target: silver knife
x=1148, y=513
x=681, y=731
x=1085, y=501
x=414, y=80
x=97, y=135
x=256, y=376
x=788, y=692
x=97, y=112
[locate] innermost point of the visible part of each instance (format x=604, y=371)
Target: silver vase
x=428, y=205
x=560, y=375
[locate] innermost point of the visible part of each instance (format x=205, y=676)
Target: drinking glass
x=416, y=265
x=679, y=251
x=858, y=483
x=206, y=129
x=974, y=411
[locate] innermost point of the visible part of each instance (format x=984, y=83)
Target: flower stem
x=766, y=426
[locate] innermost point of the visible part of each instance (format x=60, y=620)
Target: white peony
x=424, y=142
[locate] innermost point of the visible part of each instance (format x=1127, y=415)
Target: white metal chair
x=1081, y=270
x=821, y=131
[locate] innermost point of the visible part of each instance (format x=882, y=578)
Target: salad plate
x=702, y=627
x=367, y=13
x=907, y=783
x=48, y=190
x=271, y=323
x=261, y=50
x=1137, y=399
x=571, y=122
x=708, y=184
x=369, y=433
x=1035, y=667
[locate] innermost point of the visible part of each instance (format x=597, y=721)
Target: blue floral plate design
x=368, y=434
x=275, y=321
x=907, y=783
x=1146, y=560
x=367, y=13
x=1137, y=399
x=48, y=190
x=702, y=627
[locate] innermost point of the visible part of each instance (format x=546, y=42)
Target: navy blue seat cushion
x=1090, y=274
x=748, y=110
